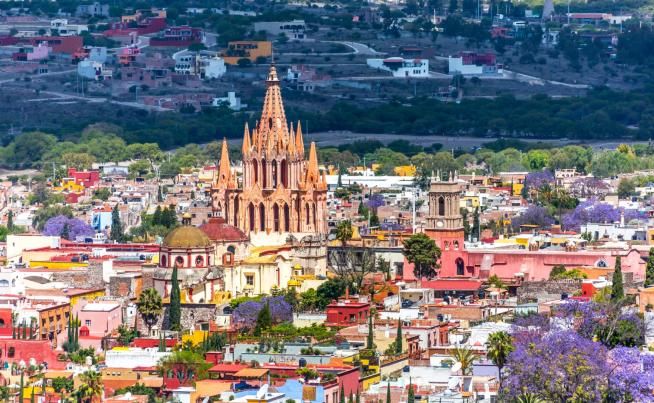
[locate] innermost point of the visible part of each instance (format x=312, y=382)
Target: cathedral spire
x=291, y=141
x=246, y=140
x=299, y=142
x=272, y=126
x=312, y=169
x=224, y=171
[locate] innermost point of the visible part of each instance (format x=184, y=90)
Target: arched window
x=441, y=206
x=179, y=261
x=276, y=217
x=306, y=210
x=199, y=261
x=231, y=249
x=456, y=245
x=298, y=214
x=446, y=245
x=287, y=218
x=264, y=174
x=164, y=261
x=4, y=283
x=236, y=206
x=274, y=174
x=284, y=173
x=459, y=267
x=313, y=210
x=255, y=168
x=262, y=217
x=251, y=216
x=602, y=263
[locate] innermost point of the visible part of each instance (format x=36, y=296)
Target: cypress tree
x=10, y=220
x=24, y=330
x=76, y=334
x=371, y=336
x=476, y=226
x=350, y=399
x=33, y=396
x=116, y=233
x=175, y=314
x=264, y=320
x=412, y=397
x=342, y=397
x=649, y=272
x=358, y=398
x=617, y=288
x=388, y=393
x=22, y=386
x=156, y=217
x=398, y=338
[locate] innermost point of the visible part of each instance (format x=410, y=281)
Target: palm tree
x=91, y=388
x=150, y=307
x=344, y=231
x=499, y=346
x=465, y=357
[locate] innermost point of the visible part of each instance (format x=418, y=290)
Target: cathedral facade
x=280, y=191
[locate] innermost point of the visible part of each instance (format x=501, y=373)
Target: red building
x=15, y=351
x=84, y=178
x=148, y=25
x=58, y=44
x=347, y=312
x=178, y=36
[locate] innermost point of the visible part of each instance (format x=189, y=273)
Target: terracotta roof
x=251, y=373
x=218, y=230
x=452, y=285
x=229, y=368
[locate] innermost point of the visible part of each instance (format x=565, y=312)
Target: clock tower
x=445, y=225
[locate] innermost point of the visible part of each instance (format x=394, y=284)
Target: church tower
x=280, y=191
x=445, y=225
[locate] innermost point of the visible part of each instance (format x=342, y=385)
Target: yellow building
x=405, y=170
x=250, y=50
x=68, y=185
x=81, y=294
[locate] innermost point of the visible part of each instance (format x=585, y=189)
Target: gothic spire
x=272, y=125
x=246, y=140
x=299, y=142
x=224, y=171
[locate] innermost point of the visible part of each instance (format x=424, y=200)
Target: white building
x=204, y=64
x=233, y=102
x=63, y=28
x=294, y=30
x=473, y=64
x=134, y=357
x=400, y=67
x=93, y=70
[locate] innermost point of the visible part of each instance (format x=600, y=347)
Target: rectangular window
x=249, y=279
x=87, y=322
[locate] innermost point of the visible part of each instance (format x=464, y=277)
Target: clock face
x=439, y=224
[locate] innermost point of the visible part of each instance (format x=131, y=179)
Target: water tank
x=302, y=362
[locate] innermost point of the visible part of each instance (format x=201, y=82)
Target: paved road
x=36, y=77
x=65, y=96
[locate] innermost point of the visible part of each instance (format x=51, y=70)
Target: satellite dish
x=262, y=392
x=456, y=367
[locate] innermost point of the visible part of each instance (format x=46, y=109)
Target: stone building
x=280, y=191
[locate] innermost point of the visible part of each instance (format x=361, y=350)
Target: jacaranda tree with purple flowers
x=68, y=228
x=534, y=215
x=245, y=315
x=590, y=211
x=536, y=180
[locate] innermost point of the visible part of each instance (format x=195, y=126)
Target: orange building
x=280, y=191
x=53, y=320
x=250, y=50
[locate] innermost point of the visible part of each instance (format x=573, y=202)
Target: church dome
x=218, y=230
x=186, y=236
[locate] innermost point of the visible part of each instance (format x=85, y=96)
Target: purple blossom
x=538, y=179
x=69, y=228
x=591, y=211
x=631, y=376
x=375, y=201
x=534, y=215
x=588, y=186
x=561, y=366
x=245, y=315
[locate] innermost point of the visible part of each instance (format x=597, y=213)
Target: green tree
x=398, y=338
x=465, y=357
x=175, y=312
x=422, y=251
x=149, y=306
x=626, y=188
x=411, y=398
x=10, y=220
x=370, y=343
x=388, y=392
x=341, y=397
x=344, y=232
x=617, y=287
x=140, y=390
x=264, y=320
x=557, y=271
x=62, y=384
x=476, y=225
x=499, y=346
x=117, y=233
x=91, y=386
x=649, y=271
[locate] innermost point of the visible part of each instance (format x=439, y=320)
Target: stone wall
x=192, y=314
x=90, y=277
x=537, y=291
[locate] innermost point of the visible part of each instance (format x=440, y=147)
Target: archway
x=273, y=170
x=441, y=206
x=459, y=266
x=251, y=216
x=287, y=218
x=255, y=169
x=262, y=217
x=264, y=174
x=236, y=206
x=284, y=172
x=276, y=217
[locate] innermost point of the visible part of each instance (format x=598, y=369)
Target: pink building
x=98, y=319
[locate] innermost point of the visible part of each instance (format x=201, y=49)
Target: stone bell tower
x=445, y=225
